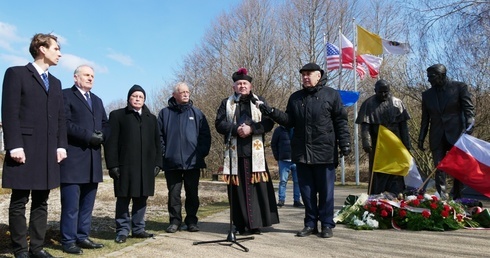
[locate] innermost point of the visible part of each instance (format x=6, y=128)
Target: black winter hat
x=241, y=74
x=311, y=67
x=136, y=87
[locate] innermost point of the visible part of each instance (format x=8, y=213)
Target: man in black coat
x=133, y=157
x=251, y=192
x=35, y=139
x=81, y=172
x=320, y=127
x=448, y=109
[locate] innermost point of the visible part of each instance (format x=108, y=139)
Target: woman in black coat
x=133, y=157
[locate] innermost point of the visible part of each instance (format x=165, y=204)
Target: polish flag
x=469, y=162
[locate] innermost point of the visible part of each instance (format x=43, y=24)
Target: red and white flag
x=469, y=162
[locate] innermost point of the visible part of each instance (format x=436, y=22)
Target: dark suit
x=33, y=119
x=447, y=110
x=81, y=171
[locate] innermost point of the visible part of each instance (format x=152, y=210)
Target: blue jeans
x=284, y=168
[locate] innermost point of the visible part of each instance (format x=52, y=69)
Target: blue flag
x=349, y=97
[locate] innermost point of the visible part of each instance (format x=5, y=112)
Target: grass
x=213, y=198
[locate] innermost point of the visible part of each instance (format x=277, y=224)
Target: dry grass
x=213, y=198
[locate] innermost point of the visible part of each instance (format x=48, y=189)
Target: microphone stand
x=231, y=238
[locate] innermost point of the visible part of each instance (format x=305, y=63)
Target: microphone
x=237, y=97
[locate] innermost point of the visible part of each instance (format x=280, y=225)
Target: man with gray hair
x=186, y=139
x=87, y=128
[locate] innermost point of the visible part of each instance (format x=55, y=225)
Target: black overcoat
x=134, y=147
x=84, y=162
x=32, y=119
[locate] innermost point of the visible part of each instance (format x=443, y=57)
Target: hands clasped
x=244, y=130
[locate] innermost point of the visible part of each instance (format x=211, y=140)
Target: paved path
x=280, y=240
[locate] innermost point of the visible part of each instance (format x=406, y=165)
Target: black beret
x=241, y=74
x=311, y=67
x=136, y=87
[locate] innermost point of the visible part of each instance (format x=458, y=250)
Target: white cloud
x=71, y=62
x=13, y=60
x=121, y=58
x=8, y=36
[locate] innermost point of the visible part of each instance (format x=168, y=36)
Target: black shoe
x=89, y=244
x=143, y=234
x=193, y=228
x=306, y=231
x=326, y=232
x=241, y=231
x=298, y=204
x=172, y=228
x=40, y=254
x=22, y=255
x=280, y=203
x=255, y=231
x=120, y=239
x=72, y=249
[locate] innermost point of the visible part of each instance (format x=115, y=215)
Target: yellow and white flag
x=392, y=157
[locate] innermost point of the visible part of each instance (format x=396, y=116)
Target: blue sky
x=126, y=41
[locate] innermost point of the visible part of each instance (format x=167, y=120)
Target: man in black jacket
x=448, y=108
x=320, y=127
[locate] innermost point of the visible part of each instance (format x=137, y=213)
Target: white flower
x=358, y=223
x=372, y=223
x=428, y=197
x=411, y=198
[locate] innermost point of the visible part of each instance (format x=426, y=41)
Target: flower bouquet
x=414, y=212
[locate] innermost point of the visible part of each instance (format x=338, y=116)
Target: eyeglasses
x=137, y=96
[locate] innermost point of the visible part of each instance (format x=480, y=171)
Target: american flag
x=333, y=61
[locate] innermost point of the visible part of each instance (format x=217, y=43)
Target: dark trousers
x=174, y=186
x=440, y=177
x=135, y=222
x=77, y=204
x=316, y=184
x=38, y=219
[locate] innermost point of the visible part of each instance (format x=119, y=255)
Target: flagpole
x=342, y=159
x=356, y=140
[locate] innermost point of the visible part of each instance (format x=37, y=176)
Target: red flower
x=459, y=217
x=403, y=204
x=389, y=209
x=384, y=213
x=434, y=198
x=416, y=202
x=403, y=213
x=365, y=207
x=420, y=197
x=433, y=205
x=447, y=208
x=426, y=214
x=444, y=214
x=372, y=209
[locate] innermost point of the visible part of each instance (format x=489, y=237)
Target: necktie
x=89, y=100
x=45, y=80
